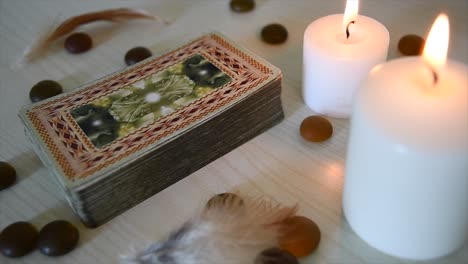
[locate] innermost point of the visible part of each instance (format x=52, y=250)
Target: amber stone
x=242, y=6
x=411, y=45
x=78, y=43
x=275, y=256
x=274, y=34
x=7, y=175
x=136, y=55
x=316, y=129
x=44, y=89
x=18, y=239
x=225, y=200
x=300, y=236
x=58, y=238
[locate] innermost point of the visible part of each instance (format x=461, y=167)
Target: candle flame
x=351, y=12
x=435, y=50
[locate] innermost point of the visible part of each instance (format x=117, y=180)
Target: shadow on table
x=25, y=164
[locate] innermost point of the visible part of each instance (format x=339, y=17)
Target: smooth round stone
x=225, y=199
x=316, y=129
x=78, y=43
x=58, y=238
x=411, y=45
x=44, y=89
x=7, y=175
x=300, y=236
x=136, y=55
x=274, y=34
x=275, y=256
x=242, y=6
x=18, y=239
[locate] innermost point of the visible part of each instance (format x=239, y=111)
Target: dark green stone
x=242, y=6
x=274, y=34
x=411, y=45
x=78, y=43
x=44, y=89
x=18, y=239
x=275, y=256
x=136, y=55
x=58, y=238
x=7, y=175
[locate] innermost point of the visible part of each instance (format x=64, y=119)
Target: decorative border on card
x=76, y=155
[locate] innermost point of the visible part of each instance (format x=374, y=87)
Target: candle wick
x=435, y=76
x=347, y=28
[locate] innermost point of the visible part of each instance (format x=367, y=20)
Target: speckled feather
x=229, y=230
x=40, y=46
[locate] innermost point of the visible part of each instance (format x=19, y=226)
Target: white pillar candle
x=334, y=65
x=406, y=181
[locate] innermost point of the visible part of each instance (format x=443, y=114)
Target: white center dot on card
x=152, y=97
x=203, y=72
x=97, y=123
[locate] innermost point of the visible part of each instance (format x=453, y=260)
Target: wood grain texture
x=277, y=164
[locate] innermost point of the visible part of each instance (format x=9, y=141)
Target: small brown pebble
x=225, y=200
x=136, y=55
x=7, y=175
x=242, y=6
x=78, y=43
x=58, y=238
x=300, y=236
x=274, y=34
x=44, y=89
x=411, y=45
x=316, y=129
x=18, y=239
x=275, y=256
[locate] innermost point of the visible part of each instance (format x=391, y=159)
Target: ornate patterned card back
x=99, y=127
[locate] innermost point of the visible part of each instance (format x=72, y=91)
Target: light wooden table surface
x=277, y=164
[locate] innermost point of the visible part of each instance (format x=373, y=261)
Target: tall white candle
x=406, y=182
x=334, y=65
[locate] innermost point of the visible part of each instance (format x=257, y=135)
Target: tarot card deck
x=113, y=143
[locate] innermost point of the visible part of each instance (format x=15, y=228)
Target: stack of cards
x=121, y=139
